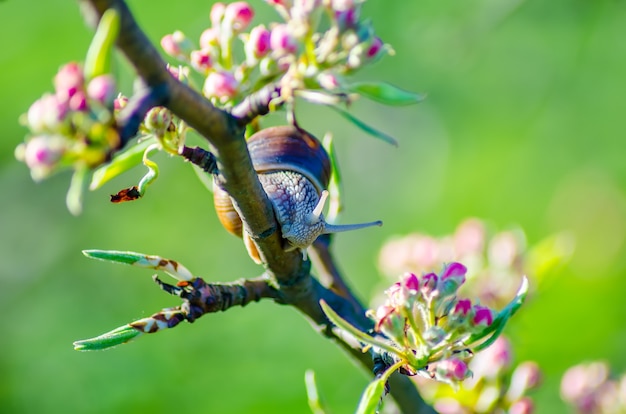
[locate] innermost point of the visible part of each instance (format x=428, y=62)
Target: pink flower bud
x=201, y=60
x=483, y=316
x=220, y=85
x=390, y=322
x=410, y=282
x=282, y=40
x=282, y=3
x=102, y=89
x=210, y=38
x=523, y=406
x=328, y=81
x=217, y=13
x=452, y=369
x=78, y=102
x=429, y=284
x=452, y=277
x=526, y=376
x=42, y=153
x=469, y=237
x=342, y=5
x=176, y=45
x=259, y=42
x=238, y=15
x=493, y=361
x=170, y=46
x=46, y=113
x=68, y=80
x=347, y=19
x=374, y=48
x=120, y=102
x=462, y=307
x=394, y=293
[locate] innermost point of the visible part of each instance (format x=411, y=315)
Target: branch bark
x=224, y=131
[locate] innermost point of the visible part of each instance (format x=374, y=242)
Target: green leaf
x=371, y=396
x=313, y=396
x=98, y=60
x=361, y=336
x=363, y=126
x=386, y=94
x=335, y=206
x=110, y=339
x=74, y=197
x=495, y=329
x=120, y=164
x=171, y=267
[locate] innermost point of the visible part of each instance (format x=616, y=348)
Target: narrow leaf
x=120, y=164
x=335, y=206
x=371, y=397
x=98, y=60
x=363, y=126
x=313, y=396
x=116, y=337
x=74, y=197
x=501, y=319
x=361, y=336
x=171, y=267
x=386, y=93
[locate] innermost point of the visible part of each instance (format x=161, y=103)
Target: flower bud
x=493, y=361
x=452, y=369
x=102, y=89
x=483, y=316
x=158, y=120
x=282, y=40
x=120, y=102
x=434, y=335
x=410, y=282
x=238, y=15
x=452, y=278
x=176, y=44
x=42, y=153
x=374, y=48
x=522, y=406
x=78, y=102
x=201, y=60
x=210, y=38
x=282, y=3
x=328, y=81
x=526, y=376
x=222, y=85
x=258, y=44
x=46, y=113
x=390, y=323
x=429, y=284
x=217, y=13
x=68, y=80
x=461, y=310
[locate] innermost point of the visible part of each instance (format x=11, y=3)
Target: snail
x=294, y=170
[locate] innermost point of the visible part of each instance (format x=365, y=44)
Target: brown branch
x=288, y=272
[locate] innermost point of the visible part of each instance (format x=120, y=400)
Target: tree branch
x=291, y=282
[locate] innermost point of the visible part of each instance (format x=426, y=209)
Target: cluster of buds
x=495, y=263
x=495, y=386
x=590, y=388
x=292, y=53
x=434, y=333
x=73, y=126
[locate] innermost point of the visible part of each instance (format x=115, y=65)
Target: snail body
x=294, y=170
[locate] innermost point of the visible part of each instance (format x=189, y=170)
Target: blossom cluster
x=495, y=386
x=495, y=264
x=433, y=330
x=72, y=127
x=590, y=388
x=292, y=53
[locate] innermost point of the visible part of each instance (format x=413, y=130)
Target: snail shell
x=294, y=170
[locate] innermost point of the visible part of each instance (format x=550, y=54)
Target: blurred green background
x=524, y=125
